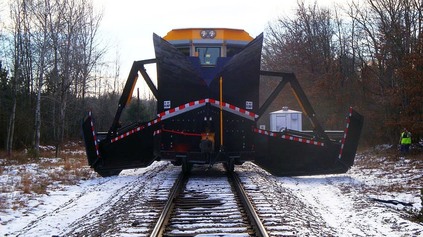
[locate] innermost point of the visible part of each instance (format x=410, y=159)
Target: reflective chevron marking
x=289, y=137
x=345, y=133
x=97, y=150
x=199, y=103
x=188, y=107
x=137, y=129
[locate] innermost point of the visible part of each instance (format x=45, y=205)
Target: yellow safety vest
x=405, y=138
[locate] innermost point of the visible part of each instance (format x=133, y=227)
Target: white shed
x=285, y=118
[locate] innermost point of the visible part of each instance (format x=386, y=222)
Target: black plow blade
x=284, y=154
x=131, y=147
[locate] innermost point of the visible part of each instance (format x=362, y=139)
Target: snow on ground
x=350, y=204
x=353, y=204
x=55, y=211
x=350, y=213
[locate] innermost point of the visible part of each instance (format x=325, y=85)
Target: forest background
x=367, y=54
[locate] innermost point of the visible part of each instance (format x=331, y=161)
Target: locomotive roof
x=226, y=34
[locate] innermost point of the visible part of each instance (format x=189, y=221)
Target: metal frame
x=299, y=95
x=125, y=98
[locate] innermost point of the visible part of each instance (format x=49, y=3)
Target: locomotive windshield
x=208, y=55
x=232, y=50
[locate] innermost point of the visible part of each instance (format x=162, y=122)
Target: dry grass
x=387, y=159
x=26, y=183
x=17, y=204
x=15, y=158
x=35, y=176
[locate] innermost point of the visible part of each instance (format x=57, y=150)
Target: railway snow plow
x=207, y=111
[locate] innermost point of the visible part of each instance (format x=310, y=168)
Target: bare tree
x=306, y=44
x=18, y=17
x=42, y=12
x=387, y=33
x=305, y=40
x=55, y=49
x=78, y=54
x=370, y=59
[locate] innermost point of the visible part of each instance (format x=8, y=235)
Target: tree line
x=368, y=54
x=52, y=71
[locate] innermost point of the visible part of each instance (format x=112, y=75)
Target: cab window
x=184, y=50
x=208, y=55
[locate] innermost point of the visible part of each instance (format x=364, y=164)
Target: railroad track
x=203, y=203
x=211, y=203
x=132, y=210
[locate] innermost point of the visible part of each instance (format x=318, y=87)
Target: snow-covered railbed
x=331, y=205
x=342, y=205
x=114, y=206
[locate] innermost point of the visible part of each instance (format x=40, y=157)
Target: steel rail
x=164, y=216
x=248, y=206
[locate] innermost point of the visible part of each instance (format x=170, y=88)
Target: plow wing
x=285, y=154
x=133, y=147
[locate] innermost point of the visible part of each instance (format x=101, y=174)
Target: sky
x=128, y=25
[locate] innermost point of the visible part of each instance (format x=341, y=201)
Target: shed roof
x=286, y=111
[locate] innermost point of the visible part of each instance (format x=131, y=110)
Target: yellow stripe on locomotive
x=208, y=44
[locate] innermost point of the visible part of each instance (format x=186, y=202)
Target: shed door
x=281, y=122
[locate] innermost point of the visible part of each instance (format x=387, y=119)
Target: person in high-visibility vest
x=405, y=141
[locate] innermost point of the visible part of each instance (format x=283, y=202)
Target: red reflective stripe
x=96, y=145
x=207, y=100
x=268, y=133
x=187, y=106
x=345, y=133
x=288, y=137
x=182, y=133
x=137, y=129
